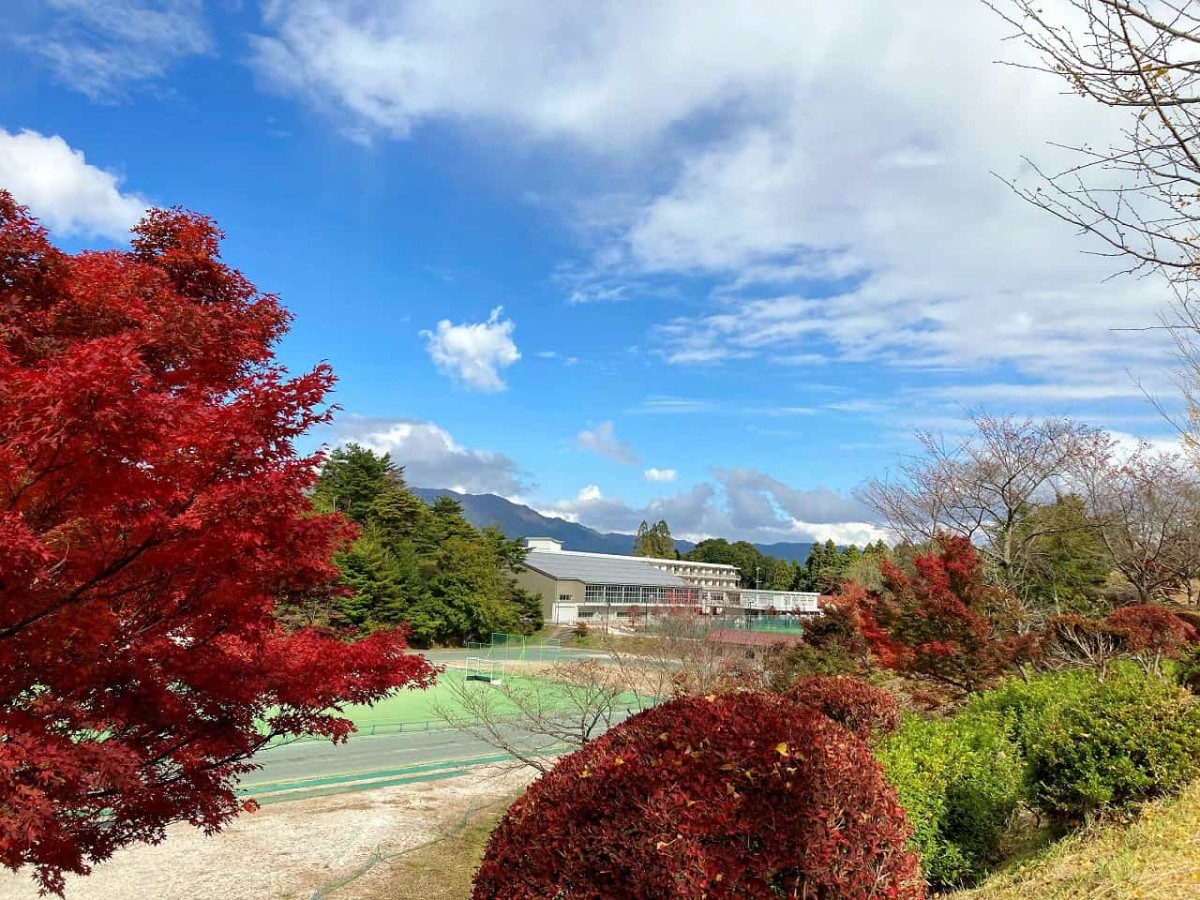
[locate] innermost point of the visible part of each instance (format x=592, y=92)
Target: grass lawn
x=1155, y=856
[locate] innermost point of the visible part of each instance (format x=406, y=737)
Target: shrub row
x=1092, y=745
x=1067, y=745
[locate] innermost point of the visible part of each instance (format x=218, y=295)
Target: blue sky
x=707, y=261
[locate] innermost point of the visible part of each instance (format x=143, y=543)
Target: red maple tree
x=935, y=622
x=152, y=513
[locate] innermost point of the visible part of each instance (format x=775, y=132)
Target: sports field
x=412, y=710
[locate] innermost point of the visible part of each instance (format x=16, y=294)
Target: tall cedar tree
x=152, y=512
x=655, y=541
x=427, y=567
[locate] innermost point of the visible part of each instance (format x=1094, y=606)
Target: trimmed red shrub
x=746, y=795
x=862, y=708
x=1154, y=632
x=1153, y=627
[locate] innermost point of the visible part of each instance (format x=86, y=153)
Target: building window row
x=648, y=595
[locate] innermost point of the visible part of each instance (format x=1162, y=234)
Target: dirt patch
x=342, y=846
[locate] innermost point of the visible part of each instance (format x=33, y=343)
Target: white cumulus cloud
x=432, y=458
x=69, y=195
x=835, y=187
x=474, y=352
x=653, y=474
x=603, y=440
x=736, y=504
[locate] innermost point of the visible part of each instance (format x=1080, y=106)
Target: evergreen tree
x=1066, y=562
x=352, y=477
x=654, y=541
x=426, y=566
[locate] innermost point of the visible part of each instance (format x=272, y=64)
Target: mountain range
x=517, y=521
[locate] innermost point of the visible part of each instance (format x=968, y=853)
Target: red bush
x=1153, y=627
x=1154, y=631
x=735, y=795
x=862, y=708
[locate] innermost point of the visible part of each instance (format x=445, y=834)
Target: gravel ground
x=306, y=849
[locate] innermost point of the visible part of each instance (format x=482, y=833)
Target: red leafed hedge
x=737, y=795
x=862, y=708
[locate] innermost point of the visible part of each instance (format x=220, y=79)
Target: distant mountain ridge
x=517, y=521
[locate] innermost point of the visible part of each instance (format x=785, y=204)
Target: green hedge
x=960, y=782
x=1093, y=745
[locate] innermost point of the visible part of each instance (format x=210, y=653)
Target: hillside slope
x=1156, y=856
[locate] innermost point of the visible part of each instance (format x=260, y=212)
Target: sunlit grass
x=1155, y=856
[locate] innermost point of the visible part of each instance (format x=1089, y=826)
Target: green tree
x=823, y=571
x=427, y=566
x=1066, y=563
x=654, y=541
x=352, y=477
x=866, y=567
x=397, y=515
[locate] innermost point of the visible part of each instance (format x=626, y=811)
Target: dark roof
x=746, y=638
x=598, y=568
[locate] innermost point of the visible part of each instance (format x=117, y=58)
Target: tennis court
x=407, y=710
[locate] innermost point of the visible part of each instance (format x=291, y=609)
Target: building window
x=585, y=615
x=564, y=598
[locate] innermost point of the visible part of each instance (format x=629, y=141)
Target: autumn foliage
x=860, y=707
x=735, y=795
x=152, y=513
x=1153, y=628
x=936, y=621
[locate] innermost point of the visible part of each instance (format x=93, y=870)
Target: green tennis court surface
x=417, y=710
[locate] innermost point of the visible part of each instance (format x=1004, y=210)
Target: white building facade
x=604, y=588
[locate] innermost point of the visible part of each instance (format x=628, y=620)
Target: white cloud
x=475, y=352
x=1128, y=443
x=588, y=493
x=740, y=504
x=432, y=458
x=603, y=440
x=100, y=48
x=860, y=533
x=59, y=186
x=835, y=185
x=660, y=474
